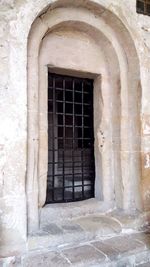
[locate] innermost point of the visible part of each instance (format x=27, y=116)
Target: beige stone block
x=131, y=144
x=145, y=185
x=33, y=121
x=116, y=125
x=42, y=190
x=146, y=193
x=43, y=121
x=145, y=144
x=145, y=125
x=131, y=175
x=130, y=125
x=37, y=32
x=43, y=153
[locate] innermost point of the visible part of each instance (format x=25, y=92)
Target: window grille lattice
x=71, y=166
x=143, y=7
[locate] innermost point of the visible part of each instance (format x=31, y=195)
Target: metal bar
x=73, y=141
x=71, y=186
x=82, y=138
x=53, y=135
x=85, y=166
x=68, y=102
x=71, y=114
x=64, y=135
x=69, y=174
x=70, y=126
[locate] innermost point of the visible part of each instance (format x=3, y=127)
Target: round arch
x=117, y=80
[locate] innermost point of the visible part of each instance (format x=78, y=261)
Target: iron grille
x=71, y=167
x=143, y=7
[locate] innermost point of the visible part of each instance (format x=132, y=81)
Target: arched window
x=143, y=7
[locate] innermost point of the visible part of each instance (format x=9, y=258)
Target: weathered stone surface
x=58, y=234
x=127, y=220
x=10, y=262
x=108, y=250
x=124, y=244
x=52, y=229
x=143, y=238
x=144, y=265
x=71, y=210
x=125, y=263
x=113, y=252
x=71, y=228
x=101, y=225
x=119, y=251
x=49, y=259
x=83, y=229
x=84, y=256
x=142, y=257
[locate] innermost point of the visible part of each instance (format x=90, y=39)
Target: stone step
x=57, y=212
x=114, y=233
x=80, y=229
x=68, y=232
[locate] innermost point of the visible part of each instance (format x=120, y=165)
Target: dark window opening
x=143, y=7
x=71, y=166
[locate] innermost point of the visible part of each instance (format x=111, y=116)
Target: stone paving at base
x=89, y=241
x=119, y=251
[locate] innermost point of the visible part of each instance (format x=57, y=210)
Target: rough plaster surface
x=127, y=171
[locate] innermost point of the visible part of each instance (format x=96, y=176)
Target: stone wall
x=16, y=18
